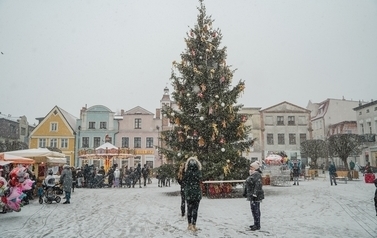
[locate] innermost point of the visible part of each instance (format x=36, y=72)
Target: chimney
x=158, y=113
x=83, y=109
x=122, y=112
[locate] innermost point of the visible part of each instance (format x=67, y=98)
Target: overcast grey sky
x=119, y=53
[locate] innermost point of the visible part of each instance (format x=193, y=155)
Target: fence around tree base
x=223, y=188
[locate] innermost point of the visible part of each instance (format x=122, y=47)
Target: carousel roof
x=108, y=146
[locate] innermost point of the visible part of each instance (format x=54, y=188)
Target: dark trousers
x=375, y=204
x=183, y=202
x=137, y=180
x=145, y=181
x=192, y=211
x=332, y=178
x=255, y=210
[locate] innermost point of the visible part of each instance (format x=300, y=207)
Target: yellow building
x=56, y=130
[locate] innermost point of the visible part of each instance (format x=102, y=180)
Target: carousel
x=277, y=169
x=105, y=155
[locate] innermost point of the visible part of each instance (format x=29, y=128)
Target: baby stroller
x=128, y=181
x=98, y=181
x=50, y=191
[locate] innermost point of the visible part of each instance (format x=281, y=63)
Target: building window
x=360, y=113
x=137, y=142
x=292, y=139
x=375, y=108
x=370, y=127
x=23, y=131
x=13, y=129
x=64, y=143
x=137, y=123
x=96, y=142
x=362, y=128
x=302, y=137
x=125, y=142
x=280, y=120
x=149, y=142
x=53, y=143
x=102, y=125
x=54, y=126
x=367, y=110
x=85, y=142
x=42, y=143
x=270, y=139
x=92, y=125
x=291, y=120
x=281, y=139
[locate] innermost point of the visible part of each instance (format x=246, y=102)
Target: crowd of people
x=91, y=177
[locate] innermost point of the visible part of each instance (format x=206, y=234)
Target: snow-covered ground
x=313, y=209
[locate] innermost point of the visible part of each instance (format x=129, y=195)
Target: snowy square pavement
x=313, y=209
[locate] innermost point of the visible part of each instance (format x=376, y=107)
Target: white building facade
x=366, y=116
x=283, y=127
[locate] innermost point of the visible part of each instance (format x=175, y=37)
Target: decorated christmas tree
x=206, y=122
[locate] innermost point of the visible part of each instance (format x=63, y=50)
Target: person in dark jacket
x=375, y=196
x=332, y=173
x=138, y=175
x=74, y=178
x=180, y=176
x=254, y=193
x=145, y=172
x=295, y=173
x=193, y=191
x=66, y=181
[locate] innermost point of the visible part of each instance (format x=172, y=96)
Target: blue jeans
x=68, y=196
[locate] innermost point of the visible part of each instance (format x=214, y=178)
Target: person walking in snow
x=116, y=178
x=193, y=191
x=138, y=175
x=145, y=172
x=180, y=176
x=375, y=196
x=332, y=173
x=66, y=181
x=254, y=193
x=295, y=173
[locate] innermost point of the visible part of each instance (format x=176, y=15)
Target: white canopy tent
x=40, y=152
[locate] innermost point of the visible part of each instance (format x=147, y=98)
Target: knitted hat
x=255, y=165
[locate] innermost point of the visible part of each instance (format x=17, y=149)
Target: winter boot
x=294, y=184
x=189, y=227
x=194, y=228
x=255, y=228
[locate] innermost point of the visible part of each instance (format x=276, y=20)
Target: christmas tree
x=206, y=122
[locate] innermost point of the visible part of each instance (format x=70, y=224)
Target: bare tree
x=314, y=149
x=344, y=145
x=12, y=145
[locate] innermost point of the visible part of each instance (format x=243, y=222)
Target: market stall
x=44, y=159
